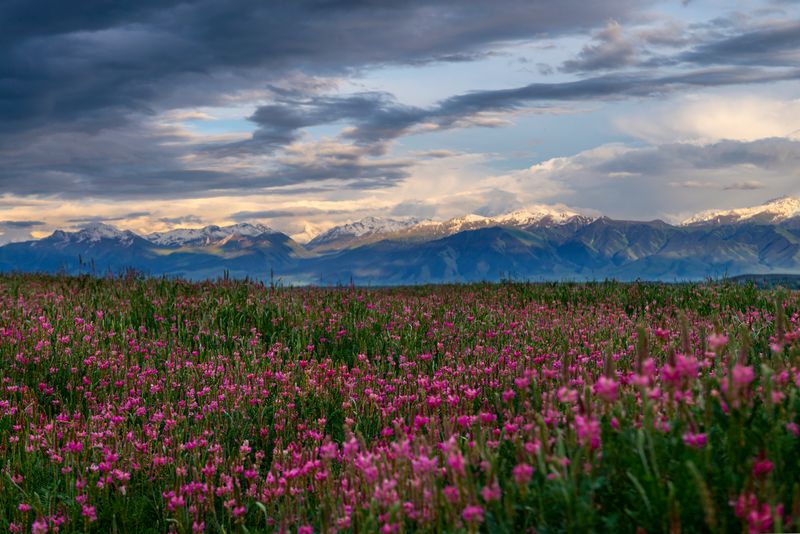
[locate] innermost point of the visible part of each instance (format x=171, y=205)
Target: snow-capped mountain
x=198, y=237
x=536, y=216
x=93, y=233
x=535, y=243
x=374, y=229
x=363, y=229
x=539, y=215
x=773, y=212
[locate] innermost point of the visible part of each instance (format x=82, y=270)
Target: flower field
x=143, y=405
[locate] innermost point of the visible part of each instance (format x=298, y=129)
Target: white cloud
x=707, y=118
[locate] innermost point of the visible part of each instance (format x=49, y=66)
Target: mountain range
x=537, y=243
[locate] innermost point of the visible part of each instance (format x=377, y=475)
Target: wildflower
x=305, y=529
x=89, y=512
x=451, y=494
x=491, y=492
x=717, y=341
x=742, y=375
x=696, y=441
x=762, y=466
x=588, y=430
x=39, y=526
x=473, y=514
x=456, y=462
x=606, y=388
x=522, y=473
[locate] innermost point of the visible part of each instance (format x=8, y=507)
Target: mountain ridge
x=524, y=244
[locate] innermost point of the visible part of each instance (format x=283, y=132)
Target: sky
x=160, y=114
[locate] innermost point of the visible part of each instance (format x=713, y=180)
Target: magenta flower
x=742, y=375
x=89, y=512
x=473, y=514
x=522, y=473
x=606, y=388
x=491, y=492
x=456, y=462
x=717, y=341
x=762, y=466
x=696, y=441
x=451, y=494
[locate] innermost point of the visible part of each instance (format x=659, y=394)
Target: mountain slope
x=208, y=235
x=362, y=231
x=773, y=212
x=529, y=244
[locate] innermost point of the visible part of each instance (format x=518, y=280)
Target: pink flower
x=492, y=492
x=716, y=341
x=522, y=473
x=39, y=526
x=762, y=466
x=24, y=507
x=451, y=494
x=606, y=388
x=588, y=430
x=473, y=514
x=742, y=375
x=305, y=529
x=89, y=512
x=456, y=462
x=696, y=441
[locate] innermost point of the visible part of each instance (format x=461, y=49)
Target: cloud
x=750, y=185
x=375, y=118
x=414, y=208
x=610, y=51
x=14, y=231
x=289, y=212
x=707, y=118
x=110, y=218
x=21, y=224
x=774, y=45
x=658, y=176
x=184, y=219
x=94, y=68
x=107, y=103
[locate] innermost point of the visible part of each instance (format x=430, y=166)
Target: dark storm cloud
x=774, y=45
x=610, y=50
x=377, y=118
x=78, y=81
x=92, y=64
x=135, y=162
x=21, y=224
x=95, y=219
x=80, y=85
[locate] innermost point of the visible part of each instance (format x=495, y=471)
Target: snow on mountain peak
x=772, y=212
x=94, y=232
x=537, y=214
x=207, y=234
x=365, y=227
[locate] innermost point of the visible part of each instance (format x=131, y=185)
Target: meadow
x=150, y=405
